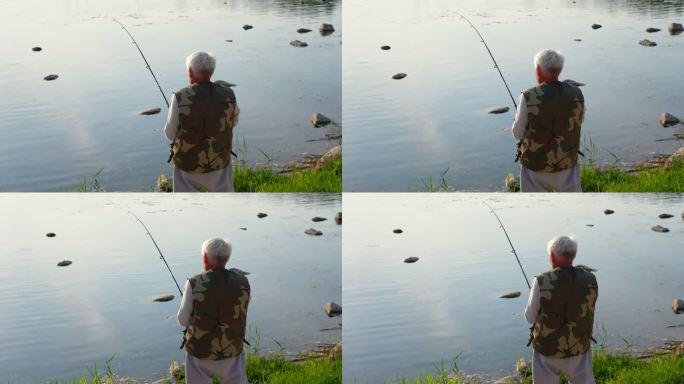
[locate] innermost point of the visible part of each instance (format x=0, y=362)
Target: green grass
x=647, y=180
x=608, y=369
x=327, y=179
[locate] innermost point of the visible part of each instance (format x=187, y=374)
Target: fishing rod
x=496, y=65
x=147, y=64
x=161, y=256
x=509, y=242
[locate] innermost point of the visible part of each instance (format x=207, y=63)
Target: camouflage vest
x=219, y=303
x=206, y=114
x=554, y=124
x=566, y=316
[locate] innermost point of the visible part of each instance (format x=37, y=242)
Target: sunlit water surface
x=406, y=319
x=57, y=321
x=399, y=132
x=57, y=132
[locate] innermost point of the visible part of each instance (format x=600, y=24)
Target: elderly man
x=200, y=125
x=214, y=310
x=548, y=124
x=561, y=309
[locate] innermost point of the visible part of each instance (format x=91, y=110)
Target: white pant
x=547, y=370
x=216, y=181
x=563, y=181
x=230, y=371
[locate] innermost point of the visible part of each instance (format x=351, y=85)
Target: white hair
x=217, y=249
x=201, y=62
x=563, y=246
x=549, y=60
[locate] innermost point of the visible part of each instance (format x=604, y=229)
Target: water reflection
x=403, y=319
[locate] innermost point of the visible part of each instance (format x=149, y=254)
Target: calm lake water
x=68, y=318
x=399, y=132
x=57, y=132
x=403, y=319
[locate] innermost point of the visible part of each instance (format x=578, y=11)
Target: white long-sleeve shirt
x=533, y=303
x=185, y=310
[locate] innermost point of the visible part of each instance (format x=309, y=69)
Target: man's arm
x=520, y=121
x=171, y=129
x=533, y=303
x=185, y=309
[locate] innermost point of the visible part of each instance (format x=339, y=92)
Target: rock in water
x=399, y=76
x=243, y=228
x=313, y=232
x=50, y=77
x=333, y=153
x=668, y=120
x=225, y=83
x=247, y=27
x=332, y=309
x=163, y=298
x=678, y=306
x=675, y=28
x=326, y=29
x=659, y=228
x=50, y=234
x=319, y=120
x=509, y=295
x=303, y=30
x=338, y=218
x=590, y=269
x=240, y=271
x=647, y=43
x=297, y=43
x=385, y=47
x=574, y=83
x=410, y=260
x=151, y=111
x=665, y=216
x=498, y=110
x=596, y=26
x=578, y=40
x=675, y=157
x=652, y=30
x=398, y=231
x=261, y=215
x=608, y=212
x=36, y=49
x=318, y=219
x=64, y=263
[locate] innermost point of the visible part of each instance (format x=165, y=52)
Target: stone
x=665, y=216
x=398, y=231
x=297, y=43
x=303, y=30
x=596, y=26
x=229, y=41
x=333, y=153
x=675, y=27
x=332, y=309
x=64, y=263
x=588, y=269
x=678, y=306
x=668, y=120
x=247, y=27
x=151, y=111
x=240, y=271
x=608, y=212
x=243, y=228
x=36, y=49
x=163, y=298
x=590, y=225
x=652, y=30
x=318, y=219
x=326, y=29
x=647, y=43
x=50, y=77
x=261, y=215
x=574, y=83
x=410, y=260
x=338, y=218
x=313, y=232
x=399, y=76
x=498, y=110
x=50, y=234
x=675, y=157
x=578, y=40
x=659, y=228
x=319, y=120
x=510, y=295
x=225, y=83
x=385, y=47
x=161, y=381
x=335, y=352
